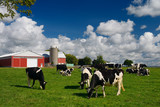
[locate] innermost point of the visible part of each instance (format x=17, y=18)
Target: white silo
x=54, y=55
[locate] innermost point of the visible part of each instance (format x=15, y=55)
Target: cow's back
x=33, y=74
x=109, y=75
x=61, y=67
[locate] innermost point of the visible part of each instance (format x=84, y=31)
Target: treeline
x=84, y=61
x=88, y=61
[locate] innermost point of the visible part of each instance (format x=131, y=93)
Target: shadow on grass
x=71, y=87
x=84, y=95
x=20, y=86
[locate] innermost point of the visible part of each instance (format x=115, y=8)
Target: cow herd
x=103, y=75
x=138, y=69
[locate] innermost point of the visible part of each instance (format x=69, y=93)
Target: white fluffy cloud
x=113, y=27
x=24, y=33
x=150, y=7
x=158, y=28
x=137, y=1
x=143, y=27
x=3, y=10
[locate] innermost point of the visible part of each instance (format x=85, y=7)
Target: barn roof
x=46, y=54
x=31, y=53
x=61, y=55
x=23, y=53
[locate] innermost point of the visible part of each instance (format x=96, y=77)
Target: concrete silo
x=54, y=55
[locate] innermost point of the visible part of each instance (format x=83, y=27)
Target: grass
x=64, y=91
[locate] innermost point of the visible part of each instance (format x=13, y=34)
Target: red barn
x=22, y=59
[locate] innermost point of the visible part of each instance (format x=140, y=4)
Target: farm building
x=22, y=59
x=32, y=59
x=54, y=57
x=60, y=60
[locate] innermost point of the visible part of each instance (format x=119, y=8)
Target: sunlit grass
x=64, y=91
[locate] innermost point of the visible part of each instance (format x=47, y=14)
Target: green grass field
x=64, y=91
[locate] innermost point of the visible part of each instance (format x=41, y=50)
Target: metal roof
x=61, y=55
x=46, y=54
x=23, y=53
x=31, y=53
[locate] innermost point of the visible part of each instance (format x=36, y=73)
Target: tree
x=81, y=62
x=12, y=5
x=128, y=62
x=71, y=59
x=98, y=61
x=85, y=61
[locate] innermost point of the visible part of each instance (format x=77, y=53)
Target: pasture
x=64, y=91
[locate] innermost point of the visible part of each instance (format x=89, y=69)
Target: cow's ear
x=79, y=82
x=86, y=88
x=45, y=82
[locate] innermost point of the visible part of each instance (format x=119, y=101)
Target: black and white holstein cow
x=61, y=67
x=67, y=72
x=130, y=70
x=143, y=72
x=86, y=75
x=106, y=77
x=36, y=73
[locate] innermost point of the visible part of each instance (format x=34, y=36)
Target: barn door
x=32, y=62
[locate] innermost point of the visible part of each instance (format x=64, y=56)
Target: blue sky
x=115, y=29
x=70, y=17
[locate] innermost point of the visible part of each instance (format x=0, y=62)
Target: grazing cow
x=36, y=73
x=85, y=77
x=106, y=77
x=106, y=66
x=110, y=65
x=130, y=70
x=67, y=72
x=61, y=67
x=118, y=66
x=138, y=66
x=99, y=66
x=143, y=72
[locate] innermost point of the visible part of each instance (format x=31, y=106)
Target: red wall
x=41, y=61
x=5, y=62
x=19, y=62
x=22, y=62
x=62, y=60
x=46, y=60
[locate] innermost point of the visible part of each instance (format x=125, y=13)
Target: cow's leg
x=122, y=85
x=88, y=83
x=119, y=88
x=96, y=88
x=33, y=83
x=40, y=85
x=29, y=80
x=104, y=95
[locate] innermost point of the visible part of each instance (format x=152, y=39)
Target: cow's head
x=43, y=83
x=117, y=78
x=90, y=92
x=84, y=77
x=71, y=69
x=82, y=84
